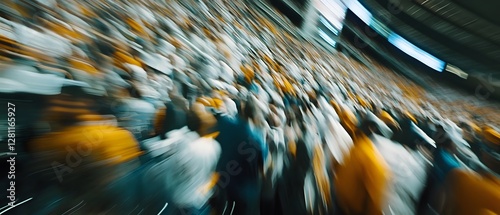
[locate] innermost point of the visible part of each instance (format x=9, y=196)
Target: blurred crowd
x=206, y=107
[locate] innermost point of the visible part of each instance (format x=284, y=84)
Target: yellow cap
x=83, y=66
x=217, y=103
x=349, y=121
x=205, y=101
x=387, y=119
x=410, y=116
x=121, y=58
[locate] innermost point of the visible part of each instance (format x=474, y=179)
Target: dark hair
x=134, y=92
x=367, y=126
x=442, y=138
x=74, y=91
x=193, y=121
x=248, y=110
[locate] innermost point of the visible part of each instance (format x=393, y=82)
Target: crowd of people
x=206, y=107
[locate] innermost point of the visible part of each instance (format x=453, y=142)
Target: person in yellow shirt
x=472, y=193
x=469, y=192
x=86, y=157
x=362, y=180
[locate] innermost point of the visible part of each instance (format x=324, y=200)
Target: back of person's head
x=442, y=138
x=66, y=108
x=248, y=110
x=193, y=121
x=201, y=120
x=368, y=127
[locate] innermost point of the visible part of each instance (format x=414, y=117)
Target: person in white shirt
x=186, y=175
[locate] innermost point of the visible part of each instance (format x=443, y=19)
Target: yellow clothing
x=175, y=42
x=292, y=148
x=248, y=72
x=475, y=127
x=411, y=117
x=63, y=30
x=268, y=60
x=217, y=103
x=288, y=88
x=205, y=101
x=105, y=143
x=160, y=117
x=8, y=44
x=349, y=121
x=361, y=183
x=86, y=11
x=121, y=58
x=336, y=106
x=83, y=66
x=387, y=119
x=256, y=65
x=136, y=26
x=491, y=135
x=321, y=175
x=208, y=33
x=20, y=9
x=363, y=102
x=470, y=193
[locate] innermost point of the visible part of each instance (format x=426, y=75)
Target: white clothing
x=408, y=176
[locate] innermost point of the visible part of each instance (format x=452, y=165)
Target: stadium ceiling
x=461, y=32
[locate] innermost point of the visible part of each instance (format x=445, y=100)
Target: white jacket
x=187, y=169
x=408, y=176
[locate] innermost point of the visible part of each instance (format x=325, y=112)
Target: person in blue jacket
x=241, y=163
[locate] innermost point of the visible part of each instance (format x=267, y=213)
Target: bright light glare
x=335, y=7
x=361, y=12
x=416, y=52
x=329, y=26
x=327, y=38
x=380, y=28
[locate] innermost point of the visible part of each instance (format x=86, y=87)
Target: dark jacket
x=175, y=118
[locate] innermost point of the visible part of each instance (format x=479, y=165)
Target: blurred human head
x=200, y=120
x=368, y=127
x=443, y=139
x=66, y=108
